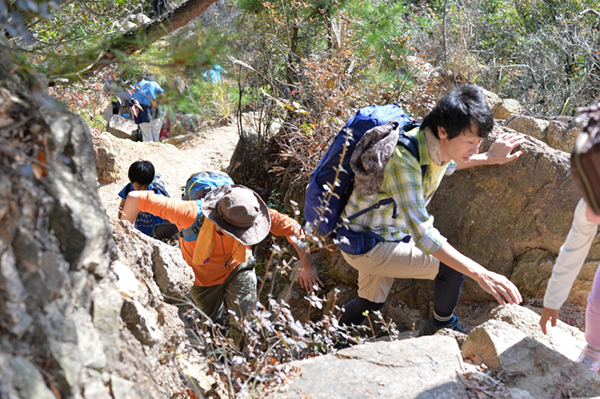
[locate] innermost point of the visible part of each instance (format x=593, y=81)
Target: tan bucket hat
x=239, y=211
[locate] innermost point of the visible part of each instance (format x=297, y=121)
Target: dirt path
x=210, y=150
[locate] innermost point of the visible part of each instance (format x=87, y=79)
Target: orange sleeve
x=283, y=225
x=182, y=213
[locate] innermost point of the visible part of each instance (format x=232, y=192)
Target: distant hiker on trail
x=144, y=103
x=160, y=7
x=213, y=75
x=234, y=218
x=448, y=140
x=571, y=259
x=142, y=178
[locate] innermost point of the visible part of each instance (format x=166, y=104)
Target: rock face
x=69, y=327
x=518, y=362
x=161, y=263
x=107, y=159
x=505, y=108
x=122, y=128
x=414, y=368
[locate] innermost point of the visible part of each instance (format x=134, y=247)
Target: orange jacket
x=221, y=262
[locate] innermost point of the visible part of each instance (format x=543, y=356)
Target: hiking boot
x=431, y=327
x=590, y=358
x=342, y=345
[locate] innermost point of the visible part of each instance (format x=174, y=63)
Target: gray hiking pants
x=237, y=293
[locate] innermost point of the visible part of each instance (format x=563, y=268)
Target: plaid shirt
x=404, y=183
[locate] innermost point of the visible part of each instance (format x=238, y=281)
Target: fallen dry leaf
x=6, y=121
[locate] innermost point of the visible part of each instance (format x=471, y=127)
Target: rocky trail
x=210, y=150
x=505, y=356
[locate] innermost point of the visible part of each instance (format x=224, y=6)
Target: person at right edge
x=449, y=140
x=568, y=265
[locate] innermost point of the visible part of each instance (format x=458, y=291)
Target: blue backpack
x=325, y=200
x=197, y=186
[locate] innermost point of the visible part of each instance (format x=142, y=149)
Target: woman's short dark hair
x=455, y=111
x=141, y=172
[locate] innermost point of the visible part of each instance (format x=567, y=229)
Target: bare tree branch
x=130, y=42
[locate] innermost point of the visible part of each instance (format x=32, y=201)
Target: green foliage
x=382, y=30
x=211, y=101
x=542, y=52
x=68, y=40
x=253, y=6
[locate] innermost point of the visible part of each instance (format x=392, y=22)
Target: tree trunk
x=292, y=57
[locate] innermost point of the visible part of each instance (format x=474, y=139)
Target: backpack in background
x=159, y=185
x=197, y=186
x=322, y=216
x=585, y=159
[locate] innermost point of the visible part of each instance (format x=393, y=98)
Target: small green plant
x=211, y=101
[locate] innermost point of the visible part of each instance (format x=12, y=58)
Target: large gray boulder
x=67, y=329
x=542, y=365
x=423, y=368
x=563, y=338
x=122, y=128
x=506, y=357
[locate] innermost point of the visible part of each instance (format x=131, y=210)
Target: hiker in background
x=235, y=218
x=213, y=75
x=144, y=103
x=119, y=97
x=143, y=178
x=448, y=140
x=165, y=130
x=160, y=7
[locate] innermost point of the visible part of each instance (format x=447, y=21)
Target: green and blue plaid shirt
x=404, y=183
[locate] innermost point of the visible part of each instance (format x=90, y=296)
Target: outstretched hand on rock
x=501, y=151
x=500, y=287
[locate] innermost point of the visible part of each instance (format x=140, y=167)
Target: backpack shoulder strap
x=128, y=189
x=191, y=233
x=412, y=145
